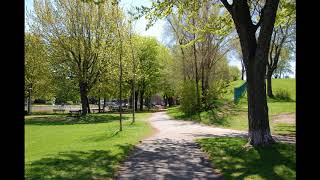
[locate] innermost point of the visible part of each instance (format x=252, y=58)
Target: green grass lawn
x=230, y=158
x=235, y=116
x=61, y=147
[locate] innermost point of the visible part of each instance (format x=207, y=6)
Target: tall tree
x=255, y=56
x=79, y=35
x=119, y=25
x=38, y=73
x=248, y=18
x=147, y=67
x=283, y=34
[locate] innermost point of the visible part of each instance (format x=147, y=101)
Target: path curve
x=172, y=153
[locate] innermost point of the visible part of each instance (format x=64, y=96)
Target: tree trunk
x=269, y=84
x=141, y=99
x=88, y=104
x=170, y=101
x=165, y=99
x=148, y=102
x=242, y=70
x=84, y=99
x=196, y=75
x=133, y=101
x=104, y=103
x=203, y=85
x=136, y=98
x=29, y=101
x=255, y=56
x=99, y=105
x=259, y=129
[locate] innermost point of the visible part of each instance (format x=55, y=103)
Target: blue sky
x=157, y=30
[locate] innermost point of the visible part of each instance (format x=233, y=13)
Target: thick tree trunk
x=170, y=101
x=269, y=84
x=88, y=105
x=259, y=129
x=84, y=99
x=141, y=99
x=255, y=54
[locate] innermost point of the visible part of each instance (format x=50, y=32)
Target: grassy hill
x=235, y=116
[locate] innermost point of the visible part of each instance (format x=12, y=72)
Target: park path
x=172, y=152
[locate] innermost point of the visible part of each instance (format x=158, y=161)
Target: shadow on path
x=167, y=159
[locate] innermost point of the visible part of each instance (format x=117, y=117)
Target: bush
x=188, y=99
x=282, y=94
x=217, y=89
x=39, y=101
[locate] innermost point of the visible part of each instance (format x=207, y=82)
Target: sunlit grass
x=63, y=147
x=229, y=157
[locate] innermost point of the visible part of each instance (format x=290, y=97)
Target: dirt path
x=289, y=118
x=172, y=153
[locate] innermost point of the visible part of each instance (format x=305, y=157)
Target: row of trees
x=200, y=56
x=202, y=27
x=76, y=50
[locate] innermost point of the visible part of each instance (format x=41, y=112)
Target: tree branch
x=227, y=5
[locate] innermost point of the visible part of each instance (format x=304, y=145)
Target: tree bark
x=84, y=99
x=136, y=98
x=88, y=104
x=255, y=57
x=170, y=101
x=259, y=129
x=269, y=84
x=165, y=98
x=141, y=99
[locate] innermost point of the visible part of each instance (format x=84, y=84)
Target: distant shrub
x=188, y=100
x=282, y=94
x=39, y=101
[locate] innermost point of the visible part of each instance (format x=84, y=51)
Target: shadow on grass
x=65, y=120
x=102, y=137
x=94, y=164
x=235, y=162
x=279, y=99
x=221, y=113
x=285, y=129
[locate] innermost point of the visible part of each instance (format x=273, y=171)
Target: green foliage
x=188, y=98
x=234, y=73
x=217, y=90
x=62, y=147
x=38, y=74
x=282, y=94
x=235, y=161
x=287, y=84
